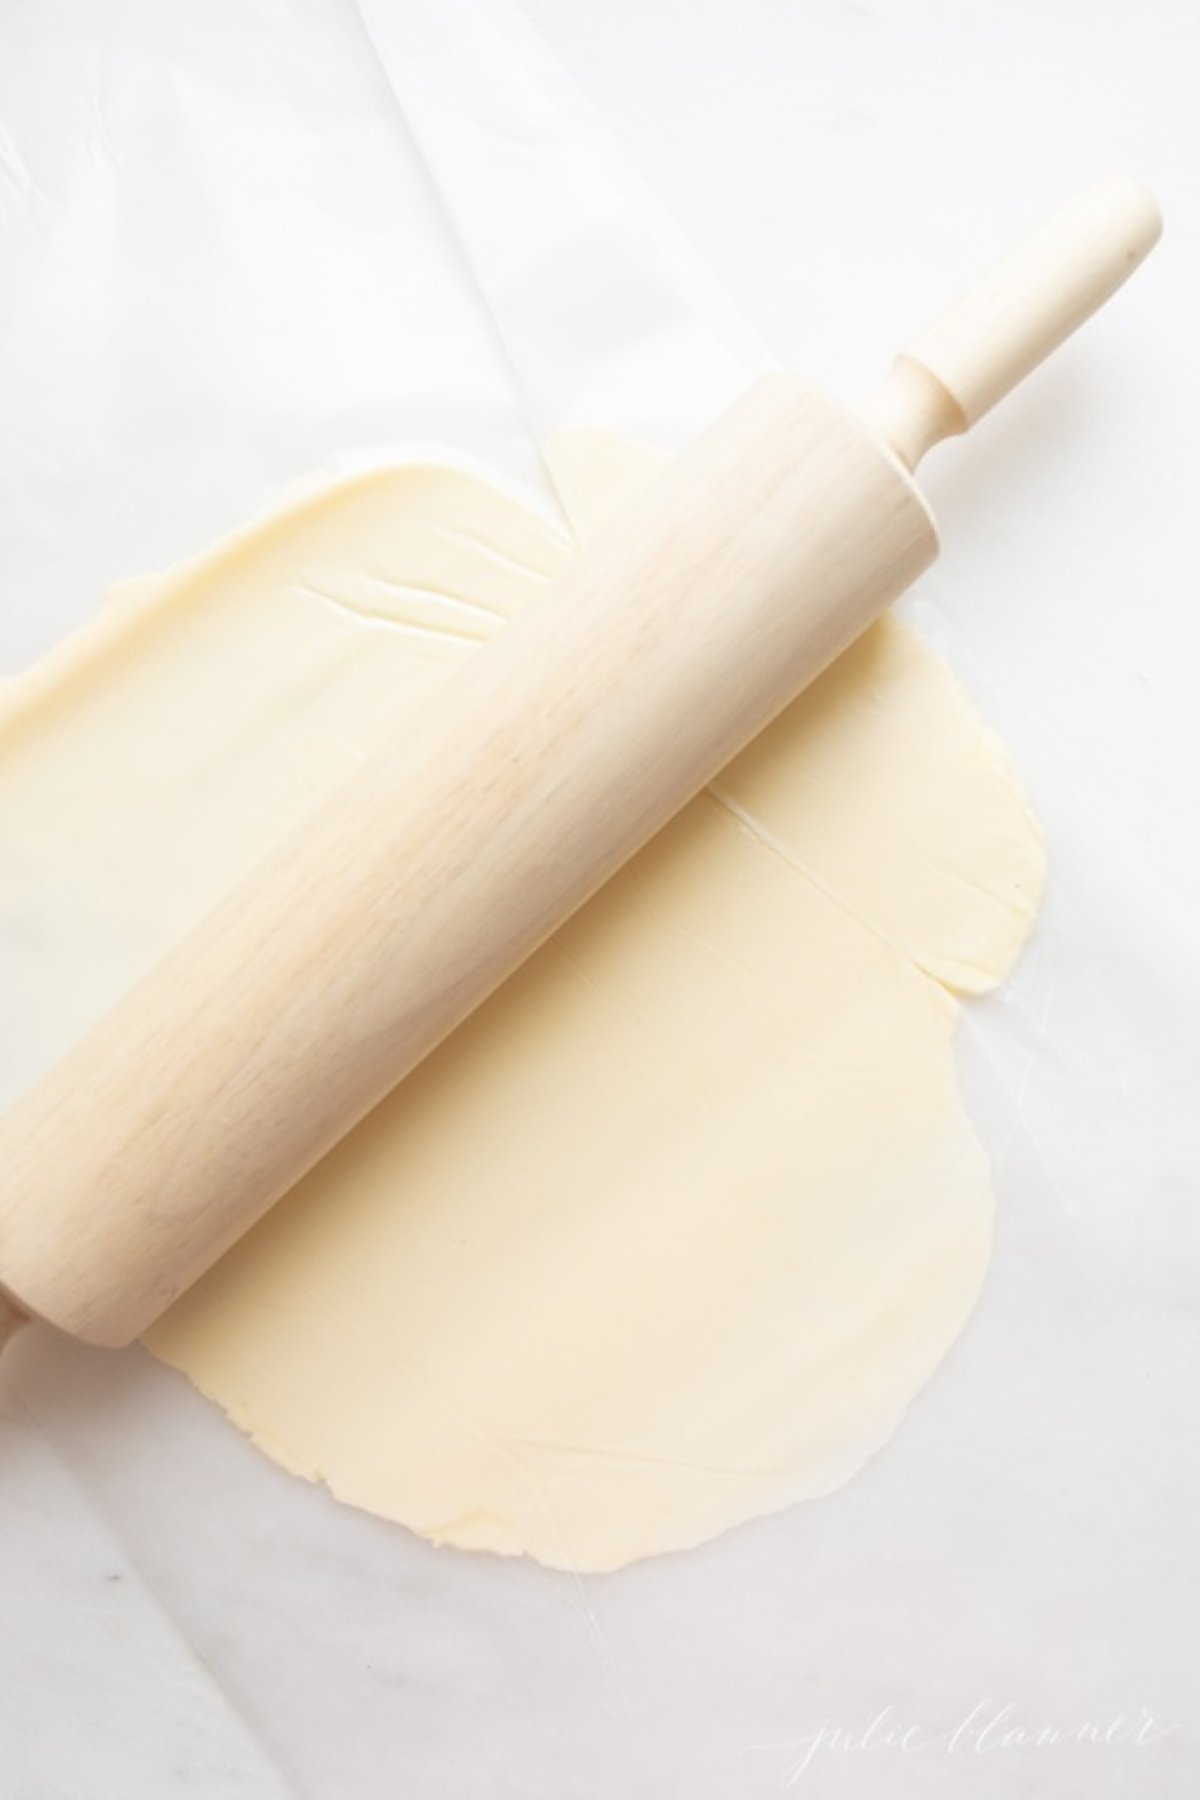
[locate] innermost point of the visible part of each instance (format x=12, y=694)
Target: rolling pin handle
x=957, y=370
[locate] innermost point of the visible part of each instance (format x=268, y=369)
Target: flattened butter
x=670, y=1233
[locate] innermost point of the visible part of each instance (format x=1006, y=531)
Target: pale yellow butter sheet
x=672, y=1231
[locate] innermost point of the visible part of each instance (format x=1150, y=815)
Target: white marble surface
x=180, y=1615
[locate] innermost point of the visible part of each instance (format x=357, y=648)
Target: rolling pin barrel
x=566, y=742
x=443, y=863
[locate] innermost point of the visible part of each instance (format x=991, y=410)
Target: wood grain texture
x=443, y=863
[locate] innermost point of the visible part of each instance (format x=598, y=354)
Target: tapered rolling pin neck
x=957, y=370
x=11, y=1320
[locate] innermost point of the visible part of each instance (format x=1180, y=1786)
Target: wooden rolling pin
x=563, y=745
